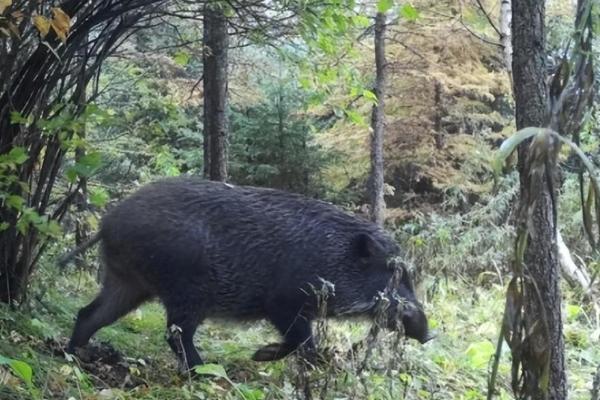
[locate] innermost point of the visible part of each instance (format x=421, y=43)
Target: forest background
x=100, y=97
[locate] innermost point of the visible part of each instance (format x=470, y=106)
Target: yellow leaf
x=42, y=24
x=61, y=23
x=4, y=4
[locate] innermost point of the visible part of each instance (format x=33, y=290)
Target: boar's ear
x=366, y=246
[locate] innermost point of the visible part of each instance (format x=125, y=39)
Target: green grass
x=453, y=366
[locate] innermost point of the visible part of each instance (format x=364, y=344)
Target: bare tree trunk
x=505, y=38
x=439, y=114
x=81, y=226
x=216, y=43
x=376, y=189
x=542, y=297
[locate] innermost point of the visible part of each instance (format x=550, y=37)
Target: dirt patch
x=106, y=366
x=109, y=367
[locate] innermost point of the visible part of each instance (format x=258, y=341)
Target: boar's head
x=396, y=306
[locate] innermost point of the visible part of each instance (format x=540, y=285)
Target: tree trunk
x=537, y=208
x=82, y=231
x=505, y=28
x=216, y=43
x=378, y=125
x=439, y=114
x=282, y=179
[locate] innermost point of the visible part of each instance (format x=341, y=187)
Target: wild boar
x=210, y=249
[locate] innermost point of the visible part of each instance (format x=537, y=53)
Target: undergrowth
x=453, y=366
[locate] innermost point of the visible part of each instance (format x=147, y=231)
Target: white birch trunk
x=505, y=39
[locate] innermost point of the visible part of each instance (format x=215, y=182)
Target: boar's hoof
x=277, y=351
x=271, y=352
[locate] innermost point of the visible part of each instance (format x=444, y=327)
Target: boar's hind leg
x=182, y=321
x=295, y=328
x=116, y=299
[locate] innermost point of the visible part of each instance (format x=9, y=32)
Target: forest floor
x=131, y=360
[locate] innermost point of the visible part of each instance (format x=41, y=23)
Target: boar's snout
x=415, y=323
x=413, y=318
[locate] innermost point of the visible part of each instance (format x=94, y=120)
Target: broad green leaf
x=355, y=117
x=85, y=167
x=52, y=229
x=215, y=370
x=326, y=44
x=4, y=226
x=18, y=155
x=251, y=393
x=22, y=226
x=15, y=202
x=361, y=21
x=479, y=353
x=305, y=82
x=384, y=5
x=20, y=368
x=228, y=11
x=341, y=22
x=182, y=58
x=17, y=118
x=98, y=197
x=409, y=13
x=71, y=175
x=573, y=311
x=369, y=95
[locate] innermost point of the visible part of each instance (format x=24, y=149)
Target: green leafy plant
x=20, y=368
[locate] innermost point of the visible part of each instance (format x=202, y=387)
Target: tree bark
x=537, y=207
x=216, y=127
x=376, y=189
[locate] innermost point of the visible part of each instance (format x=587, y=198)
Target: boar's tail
x=67, y=258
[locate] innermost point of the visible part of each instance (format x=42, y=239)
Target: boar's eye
x=365, y=246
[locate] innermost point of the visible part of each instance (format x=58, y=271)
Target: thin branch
x=488, y=18
x=483, y=39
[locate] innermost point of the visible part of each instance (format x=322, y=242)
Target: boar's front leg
x=182, y=322
x=286, y=314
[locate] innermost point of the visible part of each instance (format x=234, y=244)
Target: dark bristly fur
x=208, y=249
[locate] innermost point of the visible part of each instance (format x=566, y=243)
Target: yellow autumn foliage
x=61, y=23
x=42, y=24
x=4, y=4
